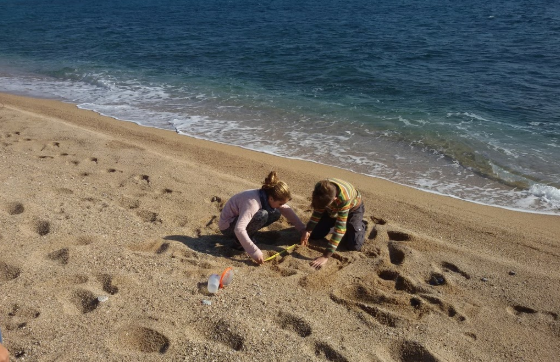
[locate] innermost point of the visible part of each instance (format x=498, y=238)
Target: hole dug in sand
x=396, y=254
x=142, y=339
x=84, y=300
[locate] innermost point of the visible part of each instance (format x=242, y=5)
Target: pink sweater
x=245, y=204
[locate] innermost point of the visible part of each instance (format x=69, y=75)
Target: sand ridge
x=109, y=233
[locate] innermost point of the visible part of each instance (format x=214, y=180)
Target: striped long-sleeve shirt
x=347, y=199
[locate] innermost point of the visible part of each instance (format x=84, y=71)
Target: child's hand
x=259, y=259
x=304, y=238
x=4, y=354
x=319, y=262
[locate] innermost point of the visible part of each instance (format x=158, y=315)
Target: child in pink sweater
x=249, y=211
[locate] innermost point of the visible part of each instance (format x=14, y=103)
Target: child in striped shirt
x=336, y=204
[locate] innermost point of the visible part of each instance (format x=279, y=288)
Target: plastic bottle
x=213, y=283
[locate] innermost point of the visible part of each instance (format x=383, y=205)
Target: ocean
x=451, y=97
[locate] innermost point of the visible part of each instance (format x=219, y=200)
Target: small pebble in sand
x=484, y=279
x=511, y=272
x=103, y=298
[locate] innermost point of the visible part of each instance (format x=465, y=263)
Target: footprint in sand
x=85, y=240
x=293, y=323
x=71, y=280
x=373, y=234
x=84, y=300
x=398, y=236
x=447, y=308
x=106, y=281
x=372, y=252
x=369, y=295
x=397, y=249
x=380, y=315
x=142, y=339
x=328, y=276
x=129, y=203
x=402, y=283
x=63, y=191
x=455, y=269
x=228, y=335
x=148, y=216
x=284, y=272
x=14, y=208
x=177, y=251
x=40, y=226
x=536, y=318
x=8, y=272
x=412, y=351
x=378, y=221
x=397, y=253
x=520, y=311
x=151, y=246
x=141, y=182
x=20, y=315
x=374, y=230
x=436, y=279
x=165, y=191
x=324, y=350
x=60, y=256
x=142, y=179
x=218, y=202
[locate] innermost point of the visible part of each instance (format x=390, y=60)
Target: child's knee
x=356, y=246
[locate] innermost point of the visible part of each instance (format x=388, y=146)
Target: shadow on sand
x=222, y=246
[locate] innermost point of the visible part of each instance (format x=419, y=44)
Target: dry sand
x=91, y=207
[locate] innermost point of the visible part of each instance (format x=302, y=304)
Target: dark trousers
x=355, y=229
x=261, y=219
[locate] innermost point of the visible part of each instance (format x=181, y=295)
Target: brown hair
x=279, y=190
x=323, y=194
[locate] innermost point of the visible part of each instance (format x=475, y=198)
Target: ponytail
x=279, y=190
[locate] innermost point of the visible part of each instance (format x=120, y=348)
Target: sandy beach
x=109, y=234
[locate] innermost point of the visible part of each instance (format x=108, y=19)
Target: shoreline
x=510, y=208
x=97, y=207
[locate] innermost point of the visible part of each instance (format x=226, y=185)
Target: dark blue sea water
x=455, y=97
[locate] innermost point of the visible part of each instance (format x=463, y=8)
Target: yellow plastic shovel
x=281, y=252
